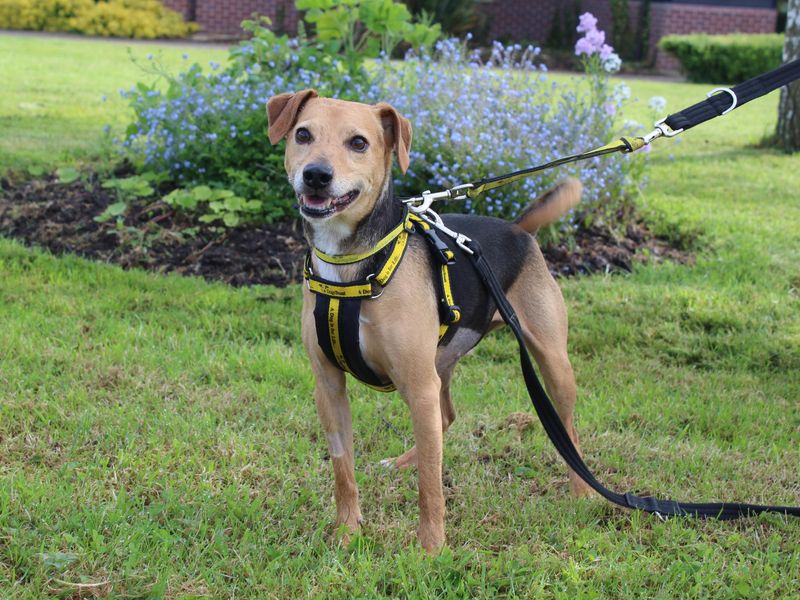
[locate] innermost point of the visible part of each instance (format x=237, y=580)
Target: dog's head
x=338, y=154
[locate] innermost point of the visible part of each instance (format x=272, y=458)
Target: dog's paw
x=405, y=460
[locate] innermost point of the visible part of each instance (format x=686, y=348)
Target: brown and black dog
x=339, y=161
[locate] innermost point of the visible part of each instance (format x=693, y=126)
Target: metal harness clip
x=434, y=220
x=420, y=204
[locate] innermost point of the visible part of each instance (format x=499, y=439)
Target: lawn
x=57, y=93
x=158, y=437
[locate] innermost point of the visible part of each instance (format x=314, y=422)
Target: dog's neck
x=339, y=238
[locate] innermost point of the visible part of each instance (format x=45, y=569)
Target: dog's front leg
x=422, y=396
x=333, y=408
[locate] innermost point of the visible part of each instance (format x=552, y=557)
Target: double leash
x=716, y=104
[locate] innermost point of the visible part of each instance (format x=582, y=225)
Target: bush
x=111, y=18
x=456, y=17
x=470, y=118
x=727, y=59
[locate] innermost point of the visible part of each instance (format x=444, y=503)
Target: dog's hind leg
x=537, y=300
x=409, y=457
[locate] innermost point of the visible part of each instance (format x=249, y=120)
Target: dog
x=338, y=159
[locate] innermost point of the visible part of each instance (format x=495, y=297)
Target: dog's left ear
x=397, y=132
x=282, y=112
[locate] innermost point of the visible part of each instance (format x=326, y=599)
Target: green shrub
x=456, y=17
x=729, y=58
x=107, y=18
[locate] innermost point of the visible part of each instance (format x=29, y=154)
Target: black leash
x=720, y=104
x=561, y=440
x=715, y=105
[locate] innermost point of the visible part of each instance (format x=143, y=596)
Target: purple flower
x=587, y=22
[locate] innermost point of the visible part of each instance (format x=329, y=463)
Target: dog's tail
x=551, y=205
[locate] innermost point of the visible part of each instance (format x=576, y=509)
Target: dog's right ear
x=282, y=111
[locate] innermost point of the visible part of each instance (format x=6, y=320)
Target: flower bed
x=471, y=118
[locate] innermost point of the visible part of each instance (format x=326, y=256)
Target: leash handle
x=558, y=435
x=718, y=104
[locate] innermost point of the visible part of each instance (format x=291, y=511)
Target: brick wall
x=532, y=20
x=521, y=20
x=221, y=18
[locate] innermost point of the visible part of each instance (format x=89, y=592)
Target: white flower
x=622, y=91
x=612, y=63
x=658, y=104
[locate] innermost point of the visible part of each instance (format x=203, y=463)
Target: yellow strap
x=346, y=259
x=359, y=290
x=393, y=261
x=336, y=346
x=448, y=293
x=333, y=332
x=621, y=145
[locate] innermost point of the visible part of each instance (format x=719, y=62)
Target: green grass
x=51, y=98
x=158, y=437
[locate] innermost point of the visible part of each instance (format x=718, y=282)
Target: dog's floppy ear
x=397, y=132
x=282, y=112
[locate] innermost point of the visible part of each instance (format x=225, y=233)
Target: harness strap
x=338, y=305
x=346, y=259
x=333, y=316
x=361, y=288
x=560, y=438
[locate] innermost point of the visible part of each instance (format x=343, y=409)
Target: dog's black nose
x=317, y=176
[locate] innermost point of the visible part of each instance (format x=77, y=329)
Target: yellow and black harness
x=338, y=305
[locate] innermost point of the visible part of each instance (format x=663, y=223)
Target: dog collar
x=346, y=259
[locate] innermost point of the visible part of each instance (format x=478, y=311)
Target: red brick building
x=528, y=20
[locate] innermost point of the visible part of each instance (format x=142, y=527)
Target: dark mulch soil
x=60, y=217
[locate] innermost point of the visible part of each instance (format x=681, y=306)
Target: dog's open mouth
x=325, y=206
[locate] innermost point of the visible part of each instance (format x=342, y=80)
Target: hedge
x=107, y=18
x=731, y=58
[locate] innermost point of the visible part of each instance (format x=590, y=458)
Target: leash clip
x=421, y=204
x=661, y=129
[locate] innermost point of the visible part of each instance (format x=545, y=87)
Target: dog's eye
x=359, y=144
x=302, y=136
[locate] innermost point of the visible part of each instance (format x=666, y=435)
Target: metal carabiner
x=434, y=220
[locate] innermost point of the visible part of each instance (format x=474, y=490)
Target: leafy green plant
x=127, y=189
x=360, y=29
x=217, y=205
x=456, y=17
x=65, y=174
